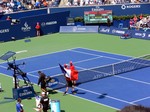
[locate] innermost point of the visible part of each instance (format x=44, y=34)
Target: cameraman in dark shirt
x=45, y=102
x=42, y=81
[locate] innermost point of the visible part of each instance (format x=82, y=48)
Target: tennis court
x=115, y=92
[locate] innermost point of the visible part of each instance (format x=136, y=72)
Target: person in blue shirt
x=19, y=106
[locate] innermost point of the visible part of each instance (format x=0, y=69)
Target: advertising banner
x=23, y=93
x=112, y=30
x=121, y=32
x=79, y=29
x=141, y=34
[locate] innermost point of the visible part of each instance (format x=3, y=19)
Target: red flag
x=74, y=75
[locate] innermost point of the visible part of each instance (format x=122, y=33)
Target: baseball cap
x=43, y=93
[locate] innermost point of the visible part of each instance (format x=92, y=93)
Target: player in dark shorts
x=69, y=82
x=45, y=102
x=42, y=78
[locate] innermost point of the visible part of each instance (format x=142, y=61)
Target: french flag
x=69, y=73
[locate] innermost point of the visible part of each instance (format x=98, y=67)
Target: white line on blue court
x=143, y=82
x=106, y=52
x=141, y=99
x=3, y=67
x=106, y=96
x=73, y=95
x=97, y=55
x=58, y=66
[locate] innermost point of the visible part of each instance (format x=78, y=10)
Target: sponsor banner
x=122, y=32
x=112, y=30
x=78, y=29
x=23, y=93
x=141, y=35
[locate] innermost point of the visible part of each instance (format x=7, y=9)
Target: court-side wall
x=50, y=23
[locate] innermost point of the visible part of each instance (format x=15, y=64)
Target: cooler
x=55, y=105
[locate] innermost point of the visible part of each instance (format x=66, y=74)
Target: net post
x=113, y=69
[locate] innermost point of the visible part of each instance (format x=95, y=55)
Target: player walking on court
x=74, y=73
x=68, y=79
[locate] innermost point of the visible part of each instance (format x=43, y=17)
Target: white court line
x=106, y=96
x=21, y=51
x=74, y=95
x=39, y=55
x=64, y=51
x=96, y=55
x=106, y=52
x=3, y=67
x=58, y=66
x=141, y=99
x=132, y=79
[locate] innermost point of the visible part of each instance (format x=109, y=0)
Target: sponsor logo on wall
x=25, y=92
x=97, y=8
x=26, y=27
x=130, y=6
x=118, y=31
x=105, y=30
x=43, y=24
x=140, y=34
x=4, y=30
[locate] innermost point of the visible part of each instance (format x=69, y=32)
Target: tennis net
x=107, y=70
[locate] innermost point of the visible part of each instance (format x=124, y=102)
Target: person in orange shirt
x=135, y=19
x=38, y=28
x=74, y=73
x=141, y=16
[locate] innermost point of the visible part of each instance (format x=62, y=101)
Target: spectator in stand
x=131, y=23
x=135, y=19
x=8, y=18
x=38, y=29
x=141, y=16
x=37, y=4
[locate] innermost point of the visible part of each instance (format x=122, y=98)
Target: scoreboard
x=98, y=16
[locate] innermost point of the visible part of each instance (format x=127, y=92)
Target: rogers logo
x=130, y=6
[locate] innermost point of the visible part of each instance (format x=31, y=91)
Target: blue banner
x=141, y=34
x=78, y=29
x=122, y=32
x=112, y=30
x=23, y=93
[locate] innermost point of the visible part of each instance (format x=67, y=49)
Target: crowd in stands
x=9, y=6
x=140, y=22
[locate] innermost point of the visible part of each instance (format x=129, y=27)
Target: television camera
x=12, y=65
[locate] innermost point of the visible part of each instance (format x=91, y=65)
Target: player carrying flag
x=71, y=75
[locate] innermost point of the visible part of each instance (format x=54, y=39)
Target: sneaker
x=73, y=92
x=64, y=93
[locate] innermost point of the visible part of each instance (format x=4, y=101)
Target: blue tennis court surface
x=116, y=91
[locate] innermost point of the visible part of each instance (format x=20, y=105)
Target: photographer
x=45, y=102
